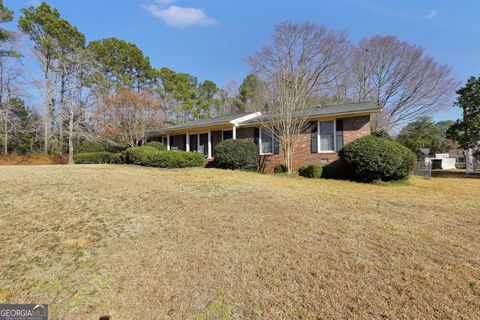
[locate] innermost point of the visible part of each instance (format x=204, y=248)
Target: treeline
x=105, y=89
x=108, y=90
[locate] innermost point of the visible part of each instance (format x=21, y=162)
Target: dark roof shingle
x=337, y=109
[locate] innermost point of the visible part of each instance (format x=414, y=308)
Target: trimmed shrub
x=90, y=147
x=372, y=159
x=140, y=155
x=92, y=157
x=337, y=170
x=114, y=147
x=155, y=144
x=152, y=157
x=118, y=158
x=280, y=168
x=175, y=159
x=236, y=155
x=310, y=171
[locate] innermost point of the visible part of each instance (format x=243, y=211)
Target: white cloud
x=432, y=14
x=179, y=17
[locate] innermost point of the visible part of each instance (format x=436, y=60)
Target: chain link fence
x=423, y=169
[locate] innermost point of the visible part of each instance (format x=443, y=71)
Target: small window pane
x=266, y=142
x=326, y=135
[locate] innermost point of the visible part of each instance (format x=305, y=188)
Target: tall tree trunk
x=5, y=142
x=46, y=121
x=3, y=111
x=62, y=107
x=70, y=137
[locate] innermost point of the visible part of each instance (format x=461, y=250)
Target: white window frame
x=334, y=136
x=260, y=144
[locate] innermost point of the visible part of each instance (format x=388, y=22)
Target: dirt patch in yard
x=144, y=243
x=35, y=159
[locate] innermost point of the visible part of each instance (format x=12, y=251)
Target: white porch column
x=168, y=142
x=209, y=143
x=234, y=132
x=187, y=142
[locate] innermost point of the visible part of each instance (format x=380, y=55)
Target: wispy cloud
x=165, y=2
x=432, y=14
x=377, y=9
x=34, y=3
x=180, y=17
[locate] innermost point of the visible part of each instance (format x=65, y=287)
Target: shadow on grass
x=460, y=174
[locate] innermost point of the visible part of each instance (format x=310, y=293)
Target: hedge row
x=145, y=156
x=94, y=157
x=92, y=146
x=152, y=157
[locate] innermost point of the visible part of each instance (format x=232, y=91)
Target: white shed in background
x=447, y=163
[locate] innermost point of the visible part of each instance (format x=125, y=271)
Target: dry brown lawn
x=140, y=243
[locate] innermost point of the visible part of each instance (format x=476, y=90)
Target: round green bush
x=155, y=144
x=378, y=159
x=280, y=168
x=90, y=146
x=310, y=171
x=93, y=157
x=236, y=155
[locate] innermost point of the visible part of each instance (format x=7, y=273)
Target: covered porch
x=201, y=135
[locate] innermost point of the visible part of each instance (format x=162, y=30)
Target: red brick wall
x=247, y=134
x=354, y=127
x=216, y=139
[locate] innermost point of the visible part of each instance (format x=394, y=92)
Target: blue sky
x=211, y=38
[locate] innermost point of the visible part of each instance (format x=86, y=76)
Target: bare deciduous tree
x=303, y=60
x=126, y=116
x=77, y=96
x=400, y=78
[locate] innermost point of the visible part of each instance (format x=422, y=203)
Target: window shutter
x=276, y=146
x=313, y=143
x=339, y=134
x=256, y=135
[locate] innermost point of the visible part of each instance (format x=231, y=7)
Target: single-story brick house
x=331, y=127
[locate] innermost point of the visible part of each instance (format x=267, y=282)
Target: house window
x=326, y=136
x=227, y=134
x=327, y=130
x=267, y=142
